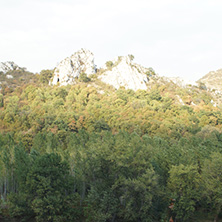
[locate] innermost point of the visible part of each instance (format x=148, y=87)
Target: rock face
x=9, y=66
x=71, y=67
x=213, y=80
x=123, y=72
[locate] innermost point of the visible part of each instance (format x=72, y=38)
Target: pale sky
x=175, y=37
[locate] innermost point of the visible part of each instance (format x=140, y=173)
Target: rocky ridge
x=71, y=67
x=212, y=80
x=123, y=72
x=9, y=66
x=119, y=72
x=12, y=75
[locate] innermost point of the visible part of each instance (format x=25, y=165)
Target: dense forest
x=90, y=153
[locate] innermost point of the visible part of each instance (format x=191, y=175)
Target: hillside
x=213, y=80
x=12, y=76
x=118, y=143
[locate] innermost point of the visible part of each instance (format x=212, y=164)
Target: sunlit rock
x=123, y=72
x=70, y=68
x=9, y=66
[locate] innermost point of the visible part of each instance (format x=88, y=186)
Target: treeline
x=106, y=177
x=32, y=108
x=91, y=153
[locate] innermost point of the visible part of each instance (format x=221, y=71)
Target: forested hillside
x=89, y=152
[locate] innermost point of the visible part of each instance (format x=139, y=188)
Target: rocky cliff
x=122, y=71
x=70, y=68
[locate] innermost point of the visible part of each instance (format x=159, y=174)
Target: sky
x=175, y=37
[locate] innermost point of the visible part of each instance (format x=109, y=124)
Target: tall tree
x=212, y=180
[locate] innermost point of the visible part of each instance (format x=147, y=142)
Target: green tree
x=109, y=64
x=212, y=180
x=1, y=100
x=45, y=76
x=184, y=183
x=48, y=183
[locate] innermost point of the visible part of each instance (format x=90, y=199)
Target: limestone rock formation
x=212, y=80
x=123, y=72
x=71, y=67
x=9, y=66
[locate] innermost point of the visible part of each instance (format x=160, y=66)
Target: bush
x=84, y=78
x=109, y=64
